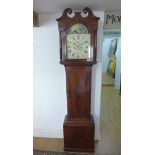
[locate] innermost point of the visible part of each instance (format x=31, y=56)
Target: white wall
x=118, y=64
x=106, y=47
x=50, y=105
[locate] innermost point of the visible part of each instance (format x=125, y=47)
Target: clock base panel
x=79, y=135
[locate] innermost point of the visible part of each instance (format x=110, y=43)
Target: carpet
x=43, y=152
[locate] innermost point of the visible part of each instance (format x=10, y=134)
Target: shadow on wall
x=45, y=18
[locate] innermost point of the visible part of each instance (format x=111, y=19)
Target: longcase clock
x=78, y=50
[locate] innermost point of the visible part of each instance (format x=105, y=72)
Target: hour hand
x=79, y=46
x=72, y=42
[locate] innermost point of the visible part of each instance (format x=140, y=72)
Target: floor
x=110, y=143
x=110, y=121
x=107, y=80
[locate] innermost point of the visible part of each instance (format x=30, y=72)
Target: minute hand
x=73, y=43
x=82, y=44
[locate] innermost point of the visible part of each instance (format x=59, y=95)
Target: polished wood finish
x=35, y=19
x=79, y=135
x=78, y=124
x=78, y=79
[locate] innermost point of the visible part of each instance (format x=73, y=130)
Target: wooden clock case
x=79, y=124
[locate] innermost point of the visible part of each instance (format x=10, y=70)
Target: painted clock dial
x=78, y=42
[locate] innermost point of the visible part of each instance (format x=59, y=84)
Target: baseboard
x=54, y=133
x=48, y=133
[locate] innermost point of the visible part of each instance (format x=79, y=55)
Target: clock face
x=78, y=46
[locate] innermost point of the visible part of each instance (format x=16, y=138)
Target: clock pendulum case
x=78, y=49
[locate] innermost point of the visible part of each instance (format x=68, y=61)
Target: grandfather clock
x=78, y=49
